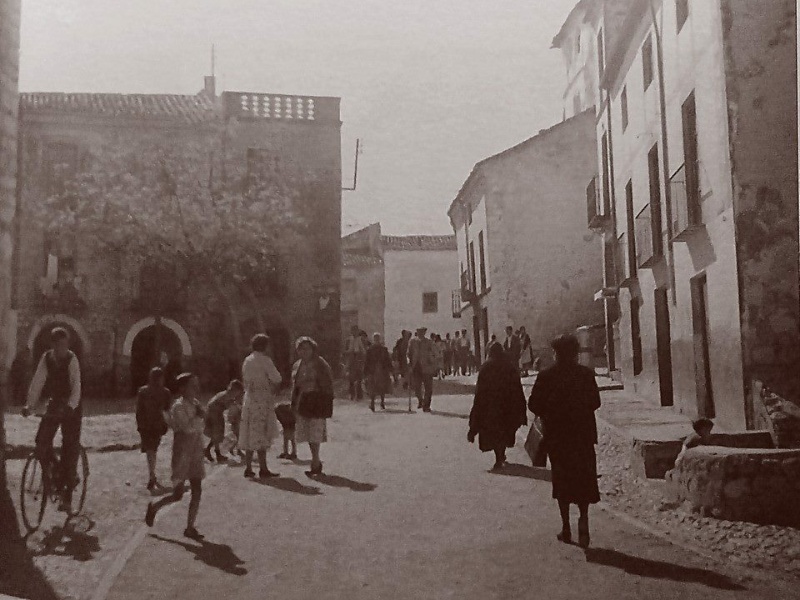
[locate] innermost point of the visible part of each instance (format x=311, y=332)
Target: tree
x=188, y=207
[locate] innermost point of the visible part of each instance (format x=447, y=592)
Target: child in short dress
x=215, y=418
x=235, y=420
x=287, y=419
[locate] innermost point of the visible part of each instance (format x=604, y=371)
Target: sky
x=429, y=86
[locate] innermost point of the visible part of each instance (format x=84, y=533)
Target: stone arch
x=139, y=326
x=48, y=320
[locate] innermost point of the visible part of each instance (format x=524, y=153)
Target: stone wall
x=780, y=417
x=761, y=486
x=9, y=69
x=761, y=72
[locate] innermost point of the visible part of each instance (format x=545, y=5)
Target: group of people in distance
x=254, y=411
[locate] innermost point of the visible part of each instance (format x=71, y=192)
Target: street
x=407, y=509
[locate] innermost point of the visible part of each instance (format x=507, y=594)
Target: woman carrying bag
x=312, y=399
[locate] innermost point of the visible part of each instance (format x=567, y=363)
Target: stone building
x=697, y=203
x=590, y=28
x=391, y=283
x=524, y=254
x=9, y=70
x=119, y=314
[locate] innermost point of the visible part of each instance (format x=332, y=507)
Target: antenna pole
x=212, y=60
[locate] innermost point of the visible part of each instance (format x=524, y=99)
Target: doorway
x=636, y=337
x=476, y=336
x=664, y=347
x=702, y=361
x=156, y=345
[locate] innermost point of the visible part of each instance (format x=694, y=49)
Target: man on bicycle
x=58, y=381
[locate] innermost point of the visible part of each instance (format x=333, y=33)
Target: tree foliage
x=188, y=203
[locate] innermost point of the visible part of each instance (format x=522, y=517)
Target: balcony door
x=702, y=362
x=664, y=347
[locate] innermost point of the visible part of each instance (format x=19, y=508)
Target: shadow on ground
x=643, y=567
x=518, y=470
x=287, y=484
x=451, y=415
x=344, y=482
x=19, y=576
x=219, y=556
x=72, y=539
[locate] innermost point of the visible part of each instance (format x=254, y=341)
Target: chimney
x=210, y=86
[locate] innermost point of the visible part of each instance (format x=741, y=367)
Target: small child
x=235, y=421
x=215, y=418
x=700, y=437
x=287, y=420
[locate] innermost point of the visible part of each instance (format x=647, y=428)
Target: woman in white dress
x=312, y=399
x=259, y=426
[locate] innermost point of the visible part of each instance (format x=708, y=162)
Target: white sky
x=430, y=86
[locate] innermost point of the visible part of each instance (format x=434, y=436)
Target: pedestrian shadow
x=72, y=540
x=518, y=470
x=301, y=461
x=395, y=411
x=451, y=415
x=344, y=482
x=219, y=556
x=287, y=484
x=643, y=567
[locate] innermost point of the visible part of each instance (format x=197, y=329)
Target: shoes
x=192, y=533
x=426, y=409
x=152, y=485
x=372, y=406
x=221, y=458
x=284, y=455
x=64, y=506
x=498, y=466
x=315, y=471
x=249, y=473
x=266, y=473
x=383, y=405
x=150, y=515
x=293, y=456
x=207, y=454
x=565, y=536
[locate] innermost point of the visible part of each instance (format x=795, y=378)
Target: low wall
x=761, y=486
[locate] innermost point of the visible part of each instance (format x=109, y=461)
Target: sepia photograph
x=420, y=300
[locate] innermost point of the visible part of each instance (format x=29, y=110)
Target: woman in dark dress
x=499, y=407
x=378, y=370
x=566, y=397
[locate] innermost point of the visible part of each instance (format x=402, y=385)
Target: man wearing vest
x=58, y=381
x=423, y=366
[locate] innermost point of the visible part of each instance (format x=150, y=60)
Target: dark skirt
x=215, y=427
x=489, y=440
x=574, y=470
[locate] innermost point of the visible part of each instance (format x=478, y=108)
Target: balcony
x=466, y=294
x=597, y=218
x=687, y=213
x=456, y=304
x=622, y=267
x=647, y=239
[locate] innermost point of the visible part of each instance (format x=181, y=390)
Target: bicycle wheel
x=83, y=483
x=33, y=494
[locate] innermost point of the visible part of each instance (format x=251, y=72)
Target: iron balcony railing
x=687, y=214
x=597, y=217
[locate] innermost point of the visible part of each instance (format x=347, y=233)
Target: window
x=689, y=118
x=472, y=278
x=578, y=43
x=636, y=338
x=653, y=168
x=623, y=101
x=682, y=12
x=647, y=62
x=601, y=54
x=430, y=302
x=606, y=180
x=631, y=232
x=482, y=258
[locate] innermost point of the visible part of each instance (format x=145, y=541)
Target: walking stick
x=408, y=378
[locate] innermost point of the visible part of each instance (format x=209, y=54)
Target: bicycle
x=38, y=487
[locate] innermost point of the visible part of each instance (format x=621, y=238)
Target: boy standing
x=152, y=401
x=215, y=418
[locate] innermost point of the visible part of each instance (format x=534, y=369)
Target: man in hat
x=423, y=366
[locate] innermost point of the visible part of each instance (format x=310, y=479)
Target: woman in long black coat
x=566, y=397
x=499, y=407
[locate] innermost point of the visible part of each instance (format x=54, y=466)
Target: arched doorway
x=155, y=345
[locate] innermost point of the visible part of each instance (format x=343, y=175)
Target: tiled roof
x=352, y=259
x=193, y=109
x=419, y=242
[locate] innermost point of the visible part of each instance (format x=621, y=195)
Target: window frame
x=648, y=72
x=623, y=101
x=426, y=305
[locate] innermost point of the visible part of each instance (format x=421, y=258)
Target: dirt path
x=408, y=511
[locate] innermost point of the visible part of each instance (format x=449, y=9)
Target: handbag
x=315, y=405
x=534, y=444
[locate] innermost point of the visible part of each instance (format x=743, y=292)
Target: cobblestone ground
x=769, y=548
